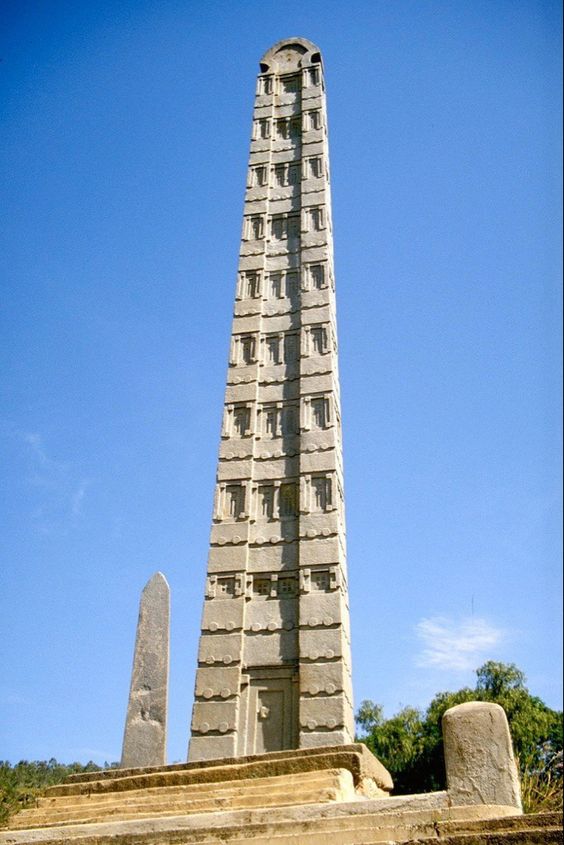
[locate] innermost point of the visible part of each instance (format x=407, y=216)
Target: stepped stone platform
x=320, y=796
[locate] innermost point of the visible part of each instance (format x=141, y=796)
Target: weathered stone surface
x=144, y=741
x=479, y=760
x=277, y=561
x=356, y=759
x=315, y=787
x=413, y=819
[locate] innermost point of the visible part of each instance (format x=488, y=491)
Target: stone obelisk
x=144, y=741
x=274, y=654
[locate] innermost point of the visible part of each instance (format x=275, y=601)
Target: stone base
x=324, y=796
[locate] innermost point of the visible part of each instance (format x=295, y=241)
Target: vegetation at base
x=21, y=784
x=410, y=744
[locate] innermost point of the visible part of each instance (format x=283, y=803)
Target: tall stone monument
x=144, y=739
x=274, y=654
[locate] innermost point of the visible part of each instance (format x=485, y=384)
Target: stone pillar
x=479, y=760
x=144, y=741
x=274, y=657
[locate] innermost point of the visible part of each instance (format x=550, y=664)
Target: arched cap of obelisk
x=157, y=582
x=290, y=54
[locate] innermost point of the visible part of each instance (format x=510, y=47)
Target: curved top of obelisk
x=290, y=54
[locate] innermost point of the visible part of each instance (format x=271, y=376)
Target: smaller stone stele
x=479, y=760
x=144, y=741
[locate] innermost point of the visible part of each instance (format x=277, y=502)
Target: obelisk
x=274, y=653
x=144, y=741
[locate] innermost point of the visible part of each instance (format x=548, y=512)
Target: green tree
x=410, y=744
x=20, y=784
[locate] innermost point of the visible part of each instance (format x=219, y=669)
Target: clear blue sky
x=125, y=139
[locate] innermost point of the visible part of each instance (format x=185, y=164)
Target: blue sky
x=125, y=141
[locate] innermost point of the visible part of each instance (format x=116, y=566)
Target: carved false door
x=271, y=714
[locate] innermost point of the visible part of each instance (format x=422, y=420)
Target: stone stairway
x=325, y=796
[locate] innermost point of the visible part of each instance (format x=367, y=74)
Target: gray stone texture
x=479, y=760
x=274, y=656
x=144, y=741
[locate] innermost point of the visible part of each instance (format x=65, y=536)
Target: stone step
x=344, y=830
x=377, y=831
x=311, y=780
x=312, y=788
x=540, y=836
x=356, y=758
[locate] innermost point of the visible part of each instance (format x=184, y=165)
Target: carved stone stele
x=144, y=741
x=479, y=761
x=274, y=656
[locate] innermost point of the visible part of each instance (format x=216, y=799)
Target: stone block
x=319, y=644
x=226, y=559
x=214, y=716
x=319, y=551
x=322, y=610
x=271, y=615
x=220, y=648
x=270, y=649
x=324, y=712
x=274, y=558
x=206, y=747
x=316, y=678
x=479, y=760
x=217, y=681
x=223, y=615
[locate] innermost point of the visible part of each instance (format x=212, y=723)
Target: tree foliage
x=20, y=784
x=410, y=744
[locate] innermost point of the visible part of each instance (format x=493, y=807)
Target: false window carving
x=312, y=76
x=266, y=501
x=241, y=420
x=265, y=85
x=279, y=227
x=282, y=129
x=261, y=586
x=291, y=346
x=261, y=129
x=254, y=227
x=315, y=219
x=287, y=587
x=275, y=285
x=288, y=500
x=318, y=340
x=294, y=226
x=291, y=84
x=290, y=420
x=295, y=128
x=294, y=174
x=224, y=588
x=312, y=119
x=315, y=167
x=234, y=501
x=319, y=412
x=287, y=175
x=317, y=276
x=270, y=414
x=280, y=175
x=320, y=580
x=247, y=349
x=292, y=284
x=272, y=344
x=321, y=493
x=258, y=176
x=284, y=226
x=243, y=350
x=249, y=285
